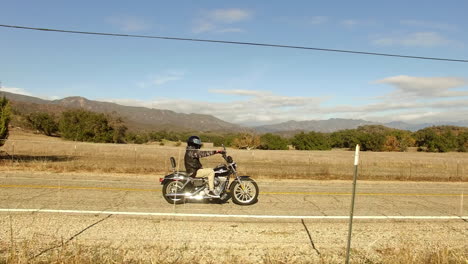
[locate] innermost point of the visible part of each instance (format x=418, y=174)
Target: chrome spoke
x=245, y=192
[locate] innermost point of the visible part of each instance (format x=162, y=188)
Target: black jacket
x=192, y=159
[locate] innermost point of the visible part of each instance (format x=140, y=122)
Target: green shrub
x=44, y=123
x=273, y=142
x=5, y=117
x=81, y=125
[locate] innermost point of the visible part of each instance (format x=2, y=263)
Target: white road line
x=375, y=217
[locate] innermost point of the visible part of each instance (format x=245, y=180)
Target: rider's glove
x=220, y=152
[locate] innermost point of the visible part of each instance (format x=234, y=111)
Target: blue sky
x=245, y=84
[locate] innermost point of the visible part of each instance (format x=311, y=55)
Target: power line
x=235, y=43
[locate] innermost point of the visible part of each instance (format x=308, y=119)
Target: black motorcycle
x=178, y=187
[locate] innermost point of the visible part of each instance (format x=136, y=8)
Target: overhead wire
x=234, y=43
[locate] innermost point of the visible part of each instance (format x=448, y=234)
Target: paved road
x=142, y=193
x=143, y=237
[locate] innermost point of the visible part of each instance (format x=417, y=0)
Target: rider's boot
x=212, y=194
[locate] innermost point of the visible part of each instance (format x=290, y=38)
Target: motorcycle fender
x=172, y=177
x=242, y=178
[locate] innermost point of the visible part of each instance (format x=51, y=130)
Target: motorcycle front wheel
x=245, y=192
x=172, y=187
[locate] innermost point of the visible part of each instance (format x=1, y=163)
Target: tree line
x=81, y=125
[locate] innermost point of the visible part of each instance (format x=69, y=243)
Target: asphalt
x=142, y=193
x=95, y=200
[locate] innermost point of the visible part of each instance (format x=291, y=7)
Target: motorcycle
x=178, y=187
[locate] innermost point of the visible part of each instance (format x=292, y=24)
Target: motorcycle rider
x=193, y=166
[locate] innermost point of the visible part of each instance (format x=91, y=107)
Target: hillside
x=334, y=124
x=141, y=118
x=136, y=118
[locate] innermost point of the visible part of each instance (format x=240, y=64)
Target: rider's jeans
x=207, y=173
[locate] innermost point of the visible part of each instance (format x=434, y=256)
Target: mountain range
x=141, y=118
x=135, y=118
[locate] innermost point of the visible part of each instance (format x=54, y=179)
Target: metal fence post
x=410, y=169
x=351, y=214
x=13, y=151
x=135, y=158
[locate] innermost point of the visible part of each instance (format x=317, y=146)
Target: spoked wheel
x=173, y=187
x=245, y=192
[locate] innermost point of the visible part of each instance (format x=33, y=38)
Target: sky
x=247, y=85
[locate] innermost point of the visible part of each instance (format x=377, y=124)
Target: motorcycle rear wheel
x=173, y=187
x=245, y=193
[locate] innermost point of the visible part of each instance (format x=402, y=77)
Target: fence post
x=13, y=152
x=410, y=170
x=135, y=158
x=351, y=214
x=461, y=203
x=74, y=157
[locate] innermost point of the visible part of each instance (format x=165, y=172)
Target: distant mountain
x=141, y=118
x=292, y=127
x=329, y=125
x=136, y=118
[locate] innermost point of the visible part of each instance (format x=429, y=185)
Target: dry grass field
x=26, y=151
x=82, y=254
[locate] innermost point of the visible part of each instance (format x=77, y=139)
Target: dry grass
x=26, y=252
x=34, y=152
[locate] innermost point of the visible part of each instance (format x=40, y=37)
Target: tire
x=245, y=193
x=173, y=187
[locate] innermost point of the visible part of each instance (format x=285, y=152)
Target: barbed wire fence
x=154, y=158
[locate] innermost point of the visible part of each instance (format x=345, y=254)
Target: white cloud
x=162, y=78
x=428, y=24
x=417, y=39
x=413, y=99
x=230, y=15
x=425, y=87
x=318, y=20
x=217, y=20
x=203, y=26
x=129, y=23
x=350, y=22
x=254, y=107
x=22, y=91
x=15, y=90
x=230, y=30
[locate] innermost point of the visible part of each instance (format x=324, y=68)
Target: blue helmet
x=194, y=141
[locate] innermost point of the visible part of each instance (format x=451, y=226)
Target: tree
x=5, y=117
x=347, y=138
x=246, y=141
x=372, y=141
x=398, y=140
x=81, y=125
x=273, y=142
x=43, y=122
x=311, y=141
x=438, y=139
x=463, y=141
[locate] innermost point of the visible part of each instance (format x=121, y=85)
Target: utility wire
x=234, y=42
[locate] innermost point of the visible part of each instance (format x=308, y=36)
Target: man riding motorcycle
x=193, y=166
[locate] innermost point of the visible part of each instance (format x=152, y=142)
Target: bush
x=44, y=123
x=440, y=139
x=81, y=125
x=347, y=138
x=5, y=117
x=311, y=141
x=273, y=142
x=246, y=141
x=463, y=142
